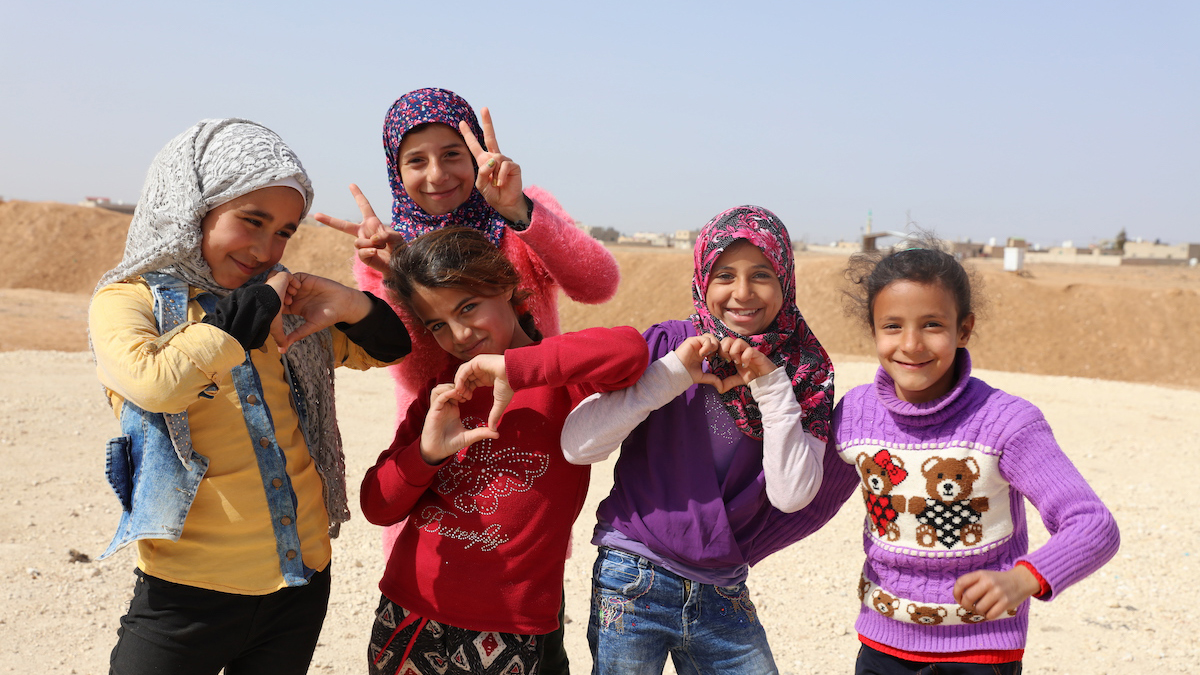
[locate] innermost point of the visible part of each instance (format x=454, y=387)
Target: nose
x=436, y=171
x=910, y=341
x=742, y=289
x=260, y=247
x=462, y=332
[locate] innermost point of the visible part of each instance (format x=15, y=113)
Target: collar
x=930, y=412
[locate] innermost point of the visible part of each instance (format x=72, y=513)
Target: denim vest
x=155, y=471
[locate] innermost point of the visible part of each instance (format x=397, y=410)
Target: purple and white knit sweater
x=943, y=483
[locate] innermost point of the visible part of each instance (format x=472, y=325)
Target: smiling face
x=466, y=323
x=436, y=168
x=245, y=237
x=743, y=290
x=917, y=335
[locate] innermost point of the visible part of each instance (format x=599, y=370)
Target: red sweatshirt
x=487, y=531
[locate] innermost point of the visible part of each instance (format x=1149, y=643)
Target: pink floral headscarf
x=788, y=342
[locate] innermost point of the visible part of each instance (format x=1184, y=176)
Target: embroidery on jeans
x=610, y=609
x=740, y=603
x=611, y=612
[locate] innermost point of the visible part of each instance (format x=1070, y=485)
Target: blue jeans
x=641, y=612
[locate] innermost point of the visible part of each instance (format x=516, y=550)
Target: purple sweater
x=667, y=495
x=943, y=483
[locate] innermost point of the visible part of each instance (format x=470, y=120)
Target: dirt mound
x=1138, y=324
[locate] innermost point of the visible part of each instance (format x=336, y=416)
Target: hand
x=443, y=434
x=750, y=363
x=692, y=352
x=499, y=178
x=374, y=241
x=991, y=593
x=321, y=303
x=486, y=370
x=281, y=282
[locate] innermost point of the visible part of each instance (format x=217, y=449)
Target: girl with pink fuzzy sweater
x=441, y=176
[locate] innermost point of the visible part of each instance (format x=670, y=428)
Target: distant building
x=106, y=203
x=684, y=238
x=646, y=239
x=1157, y=251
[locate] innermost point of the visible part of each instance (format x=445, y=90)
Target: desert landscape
x=1111, y=355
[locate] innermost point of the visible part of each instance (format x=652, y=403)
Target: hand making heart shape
x=749, y=362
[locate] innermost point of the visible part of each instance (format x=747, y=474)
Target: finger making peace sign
x=499, y=178
x=374, y=241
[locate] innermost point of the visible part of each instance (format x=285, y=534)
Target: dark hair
x=457, y=257
x=920, y=259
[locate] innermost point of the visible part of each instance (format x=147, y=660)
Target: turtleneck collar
x=930, y=412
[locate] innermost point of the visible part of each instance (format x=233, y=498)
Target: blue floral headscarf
x=420, y=107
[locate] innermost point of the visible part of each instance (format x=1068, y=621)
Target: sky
x=1046, y=120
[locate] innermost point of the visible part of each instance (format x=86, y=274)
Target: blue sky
x=1047, y=120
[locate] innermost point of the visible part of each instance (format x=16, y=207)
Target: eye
x=286, y=234
x=435, y=327
x=468, y=307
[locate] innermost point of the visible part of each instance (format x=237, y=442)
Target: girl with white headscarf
x=230, y=470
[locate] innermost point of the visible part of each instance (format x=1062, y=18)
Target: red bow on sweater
x=884, y=459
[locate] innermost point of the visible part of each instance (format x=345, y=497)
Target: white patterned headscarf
x=210, y=164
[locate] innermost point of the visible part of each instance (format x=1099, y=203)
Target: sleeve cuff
x=1043, y=586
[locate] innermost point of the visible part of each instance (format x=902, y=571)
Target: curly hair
x=922, y=260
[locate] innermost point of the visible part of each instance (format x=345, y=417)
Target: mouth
x=245, y=269
x=471, y=349
x=911, y=366
x=742, y=315
x=441, y=195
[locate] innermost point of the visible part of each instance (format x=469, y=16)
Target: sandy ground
x=1133, y=327
x=1135, y=616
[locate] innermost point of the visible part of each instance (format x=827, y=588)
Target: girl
x=946, y=463
x=702, y=488
x=475, y=577
x=441, y=176
x=230, y=473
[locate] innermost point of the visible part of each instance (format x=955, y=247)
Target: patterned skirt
x=403, y=643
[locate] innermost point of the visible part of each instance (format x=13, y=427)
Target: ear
x=964, y=330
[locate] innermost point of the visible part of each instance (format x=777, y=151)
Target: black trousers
x=184, y=630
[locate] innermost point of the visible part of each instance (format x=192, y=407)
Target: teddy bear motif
x=967, y=616
x=863, y=587
x=880, y=475
x=927, y=616
x=949, y=515
x=884, y=603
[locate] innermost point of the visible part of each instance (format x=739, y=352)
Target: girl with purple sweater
x=946, y=463
x=711, y=479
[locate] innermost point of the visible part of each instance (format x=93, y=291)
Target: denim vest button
x=252, y=399
x=275, y=482
x=291, y=555
x=264, y=441
x=285, y=520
